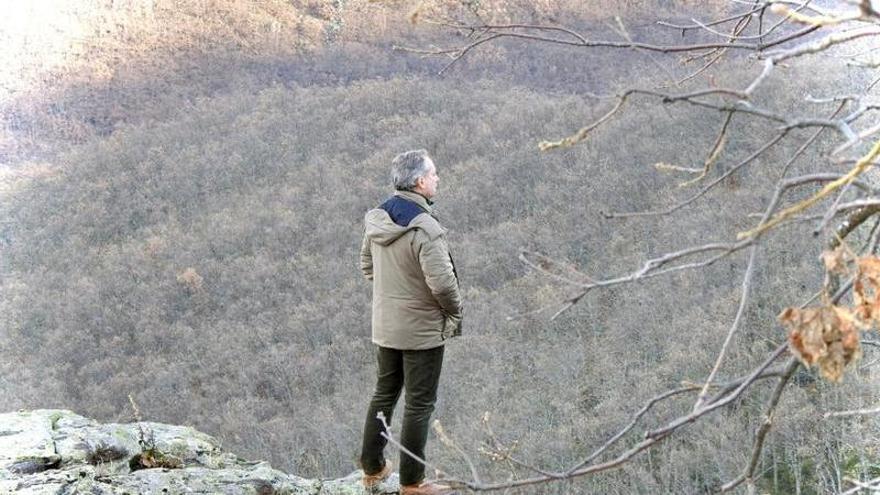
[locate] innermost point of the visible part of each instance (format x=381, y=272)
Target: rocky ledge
x=59, y=452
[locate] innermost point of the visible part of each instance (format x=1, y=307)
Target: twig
x=873, y=83
x=760, y=436
x=500, y=452
x=857, y=138
x=854, y=220
x=638, y=416
x=622, y=31
x=651, y=269
x=832, y=210
x=856, y=412
x=822, y=44
x=740, y=26
x=746, y=284
x=872, y=485
x=702, y=191
x=761, y=33
x=388, y=436
x=861, y=165
x=722, y=399
x=445, y=440
x=697, y=25
x=542, y=267
x=808, y=142
x=828, y=19
x=581, y=134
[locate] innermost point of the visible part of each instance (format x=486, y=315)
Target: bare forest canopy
x=183, y=184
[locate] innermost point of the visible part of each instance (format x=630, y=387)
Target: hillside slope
x=195, y=247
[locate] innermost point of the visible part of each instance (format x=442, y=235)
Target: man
x=416, y=309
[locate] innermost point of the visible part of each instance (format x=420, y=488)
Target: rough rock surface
x=51, y=451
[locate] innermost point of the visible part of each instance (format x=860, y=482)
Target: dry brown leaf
x=871, y=266
x=866, y=290
x=826, y=337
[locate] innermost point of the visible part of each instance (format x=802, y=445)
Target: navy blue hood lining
x=402, y=211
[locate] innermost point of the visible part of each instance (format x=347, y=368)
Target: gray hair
x=407, y=167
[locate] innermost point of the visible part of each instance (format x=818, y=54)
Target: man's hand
x=451, y=326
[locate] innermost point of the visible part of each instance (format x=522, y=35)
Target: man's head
x=415, y=171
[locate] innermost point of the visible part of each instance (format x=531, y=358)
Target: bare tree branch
x=699, y=25
x=686, y=388
x=761, y=33
x=582, y=133
x=861, y=165
x=651, y=437
x=872, y=485
x=853, y=221
x=490, y=32
x=720, y=399
x=851, y=196
x=652, y=267
x=388, y=436
x=822, y=44
x=738, y=29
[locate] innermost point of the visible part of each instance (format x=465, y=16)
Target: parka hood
x=382, y=230
x=402, y=212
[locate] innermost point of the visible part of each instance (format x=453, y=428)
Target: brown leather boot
x=371, y=481
x=425, y=488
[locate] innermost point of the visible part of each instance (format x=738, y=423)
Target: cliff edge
x=52, y=451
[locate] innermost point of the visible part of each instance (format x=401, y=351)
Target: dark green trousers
x=418, y=373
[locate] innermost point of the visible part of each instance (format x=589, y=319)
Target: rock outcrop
x=59, y=452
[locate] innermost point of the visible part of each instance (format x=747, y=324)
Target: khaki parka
x=416, y=298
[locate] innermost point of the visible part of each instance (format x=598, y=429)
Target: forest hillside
x=183, y=186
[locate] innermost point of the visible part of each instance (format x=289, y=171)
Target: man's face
x=427, y=184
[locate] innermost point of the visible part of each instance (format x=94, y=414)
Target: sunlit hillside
x=74, y=70
x=61, y=59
